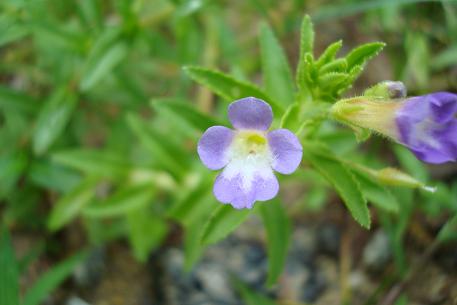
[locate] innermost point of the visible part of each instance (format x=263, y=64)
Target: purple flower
x=427, y=125
x=248, y=154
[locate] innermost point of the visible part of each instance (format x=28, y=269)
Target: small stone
x=90, y=271
x=314, y=287
x=215, y=281
x=303, y=244
x=293, y=280
x=377, y=252
x=74, y=300
x=328, y=239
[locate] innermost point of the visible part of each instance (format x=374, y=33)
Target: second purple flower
x=248, y=154
x=426, y=124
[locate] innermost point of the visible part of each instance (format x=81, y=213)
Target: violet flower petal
x=286, y=149
x=444, y=106
x=250, y=113
x=233, y=190
x=428, y=127
x=213, y=145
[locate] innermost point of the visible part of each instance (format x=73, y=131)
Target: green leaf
x=193, y=248
x=417, y=48
x=250, y=297
x=146, y=232
x=335, y=11
x=329, y=54
x=192, y=210
x=93, y=162
x=125, y=200
x=90, y=13
x=228, y=87
x=360, y=55
x=376, y=194
x=291, y=118
x=18, y=101
x=103, y=66
x=12, y=166
x=222, y=222
x=449, y=231
x=52, y=176
x=340, y=177
x=195, y=202
x=306, y=36
x=52, y=119
x=303, y=115
x=56, y=36
x=70, y=204
x=52, y=279
x=306, y=51
x=278, y=229
x=276, y=71
x=332, y=79
x=9, y=275
x=106, y=54
x=11, y=30
x=165, y=152
x=444, y=59
x=410, y=163
x=187, y=113
x=337, y=65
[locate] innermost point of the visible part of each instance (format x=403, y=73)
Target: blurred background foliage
x=99, y=120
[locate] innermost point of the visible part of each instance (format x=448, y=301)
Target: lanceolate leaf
x=250, y=297
x=332, y=79
x=276, y=71
x=9, y=274
x=127, y=199
x=360, y=55
x=187, y=113
x=329, y=53
x=306, y=36
x=278, y=227
x=104, y=65
x=51, y=280
x=71, y=204
x=52, y=119
x=223, y=221
x=341, y=179
x=93, y=162
x=165, y=152
x=195, y=202
x=107, y=52
x=306, y=48
x=337, y=65
x=18, y=101
x=146, y=231
x=228, y=87
x=376, y=193
x=449, y=231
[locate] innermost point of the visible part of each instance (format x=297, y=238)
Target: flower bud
x=387, y=89
x=427, y=124
x=395, y=177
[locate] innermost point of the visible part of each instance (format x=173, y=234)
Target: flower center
x=250, y=157
x=250, y=143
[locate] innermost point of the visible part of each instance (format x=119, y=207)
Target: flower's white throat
x=249, y=157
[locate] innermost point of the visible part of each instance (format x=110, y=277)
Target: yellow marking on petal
x=256, y=139
x=249, y=142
